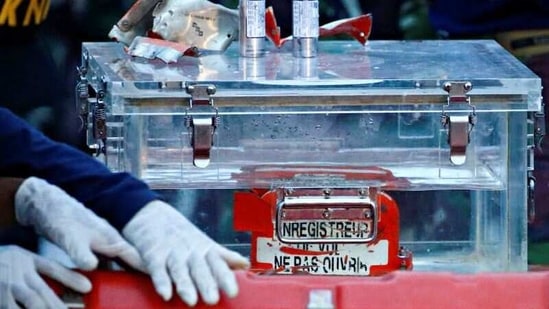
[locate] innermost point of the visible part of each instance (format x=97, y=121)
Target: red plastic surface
x=400, y=290
x=255, y=213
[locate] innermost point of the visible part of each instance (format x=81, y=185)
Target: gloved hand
x=172, y=246
x=67, y=223
x=20, y=280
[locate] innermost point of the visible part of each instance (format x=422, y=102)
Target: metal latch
x=201, y=124
x=459, y=124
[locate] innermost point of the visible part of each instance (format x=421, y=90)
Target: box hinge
x=536, y=133
x=90, y=103
x=459, y=122
x=91, y=108
x=201, y=122
x=538, y=121
x=82, y=96
x=82, y=87
x=99, y=123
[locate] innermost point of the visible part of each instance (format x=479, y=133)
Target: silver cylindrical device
x=306, y=68
x=252, y=68
x=305, y=28
x=252, y=28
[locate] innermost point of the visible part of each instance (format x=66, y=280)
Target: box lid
x=344, y=73
x=344, y=114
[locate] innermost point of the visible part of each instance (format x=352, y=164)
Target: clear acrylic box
x=445, y=128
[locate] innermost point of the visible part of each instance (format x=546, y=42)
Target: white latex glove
x=20, y=279
x=70, y=225
x=174, y=249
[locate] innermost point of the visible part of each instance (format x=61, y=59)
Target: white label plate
x=322, y=259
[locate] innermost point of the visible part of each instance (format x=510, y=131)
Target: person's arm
x=174, y=250
x=26, y=152
x=8, y=187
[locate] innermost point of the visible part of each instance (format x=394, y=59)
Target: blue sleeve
x=27, y=152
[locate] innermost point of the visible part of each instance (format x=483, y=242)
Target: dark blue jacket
x=473, y=17
x=25, y=152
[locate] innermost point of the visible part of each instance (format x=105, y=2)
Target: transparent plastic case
x=441, y=126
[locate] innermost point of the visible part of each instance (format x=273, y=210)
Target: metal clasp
x=201, y=125
x=459, y=125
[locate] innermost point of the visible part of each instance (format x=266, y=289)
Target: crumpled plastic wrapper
x=189, y=26
x=197, y=23
x=166, y=51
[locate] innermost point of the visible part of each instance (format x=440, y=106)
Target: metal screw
x=447, y=86
x=125, y=25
